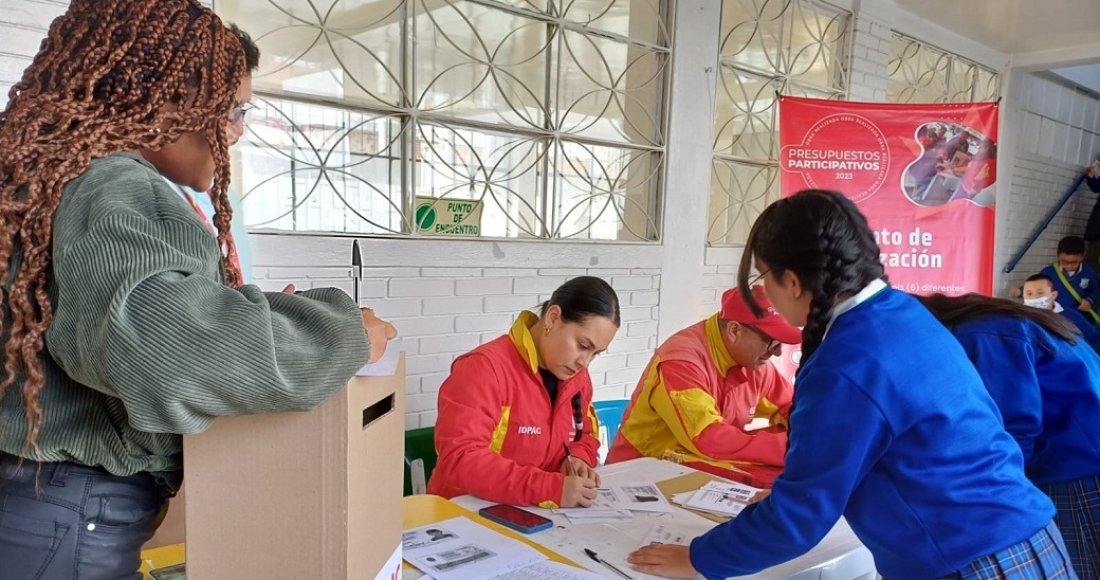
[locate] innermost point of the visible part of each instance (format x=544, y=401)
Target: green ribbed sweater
x=147, y=343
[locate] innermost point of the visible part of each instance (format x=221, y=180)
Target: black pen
x=592, y=554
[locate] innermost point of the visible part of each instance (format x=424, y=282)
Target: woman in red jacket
x=516, y=423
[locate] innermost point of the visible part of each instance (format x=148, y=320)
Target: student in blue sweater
x=1074, y=280
x=904, y=442
x=1046, y=383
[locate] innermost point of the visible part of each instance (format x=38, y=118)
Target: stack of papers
x=460, y=548
x=725, y=499
x=618, y=502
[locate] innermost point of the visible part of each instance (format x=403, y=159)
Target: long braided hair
x=112, y=75
x=821, y=237
x=952, y=311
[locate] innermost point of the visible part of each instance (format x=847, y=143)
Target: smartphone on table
x=518, y=519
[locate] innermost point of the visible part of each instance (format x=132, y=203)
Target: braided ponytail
x=824, y=240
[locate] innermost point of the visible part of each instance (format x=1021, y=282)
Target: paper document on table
x=614, y=501
x=641, y=496
x=606, y=508
x=459, y=548
x=606, y=501
x=683, y=498
x=385, y=366
x=549, y=571
x=602, y=518
x=722, y=498
x=663, y=534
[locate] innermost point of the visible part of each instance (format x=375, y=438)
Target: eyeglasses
x=773, y=344
x=236, y=114
x=758, y=278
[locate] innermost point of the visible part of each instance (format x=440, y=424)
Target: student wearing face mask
x=1046, y=384
x=1074, y=281
x=705, y=384
x=1039, y=292
x=516, y=423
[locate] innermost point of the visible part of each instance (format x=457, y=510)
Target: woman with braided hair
x=891, y=426
x=124, y=324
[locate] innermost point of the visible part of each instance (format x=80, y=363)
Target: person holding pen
x=703, y=387
x=904, y=442
x=124, y=324
x=516, y=423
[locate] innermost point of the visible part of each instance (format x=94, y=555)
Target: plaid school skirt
x=1040, y=557
x=1078, y=519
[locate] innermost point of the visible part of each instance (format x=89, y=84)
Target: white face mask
x=1040, y=302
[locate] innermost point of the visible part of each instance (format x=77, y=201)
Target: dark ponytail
x=821, y=237
x=582, y=297
x=954, y=310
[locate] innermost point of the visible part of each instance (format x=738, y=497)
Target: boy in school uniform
x=1039, y=293
x=1074, y=281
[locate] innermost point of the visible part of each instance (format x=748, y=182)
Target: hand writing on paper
x=575, y=466
x=578, y=492
x=668, y=560
x=379, y=332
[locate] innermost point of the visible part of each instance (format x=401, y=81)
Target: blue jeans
x=63, y=521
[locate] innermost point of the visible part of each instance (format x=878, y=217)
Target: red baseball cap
x=771, y=324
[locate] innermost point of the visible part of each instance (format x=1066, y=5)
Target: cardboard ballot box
x=313, y=495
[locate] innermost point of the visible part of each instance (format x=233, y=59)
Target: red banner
x=922, y=174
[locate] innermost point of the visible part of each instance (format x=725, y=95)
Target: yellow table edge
x=421, y=510
x=162, y=557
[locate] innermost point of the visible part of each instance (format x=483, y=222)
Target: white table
x=839, y=556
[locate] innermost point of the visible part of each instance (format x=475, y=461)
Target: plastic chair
x=420, y=458
x=610, y=415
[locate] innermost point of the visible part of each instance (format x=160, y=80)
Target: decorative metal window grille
x=919, y=73
x=550, y=112
x=794, y=47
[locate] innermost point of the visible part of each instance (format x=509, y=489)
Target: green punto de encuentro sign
x=439, y=216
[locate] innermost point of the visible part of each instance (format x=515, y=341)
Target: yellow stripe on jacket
x=694, y=397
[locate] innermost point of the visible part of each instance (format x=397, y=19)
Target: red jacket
x=693, y=398
x=497, y=436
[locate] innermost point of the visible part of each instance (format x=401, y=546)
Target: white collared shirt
x=874, y=287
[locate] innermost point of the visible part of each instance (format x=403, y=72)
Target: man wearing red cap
x=705, y=384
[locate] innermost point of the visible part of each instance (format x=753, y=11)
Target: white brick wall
x=23, y=24
x=719, y=274
x=1058, y=121
x=1057, y=133
x=1037, y=186
x=870, y=55
x=443, y=311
